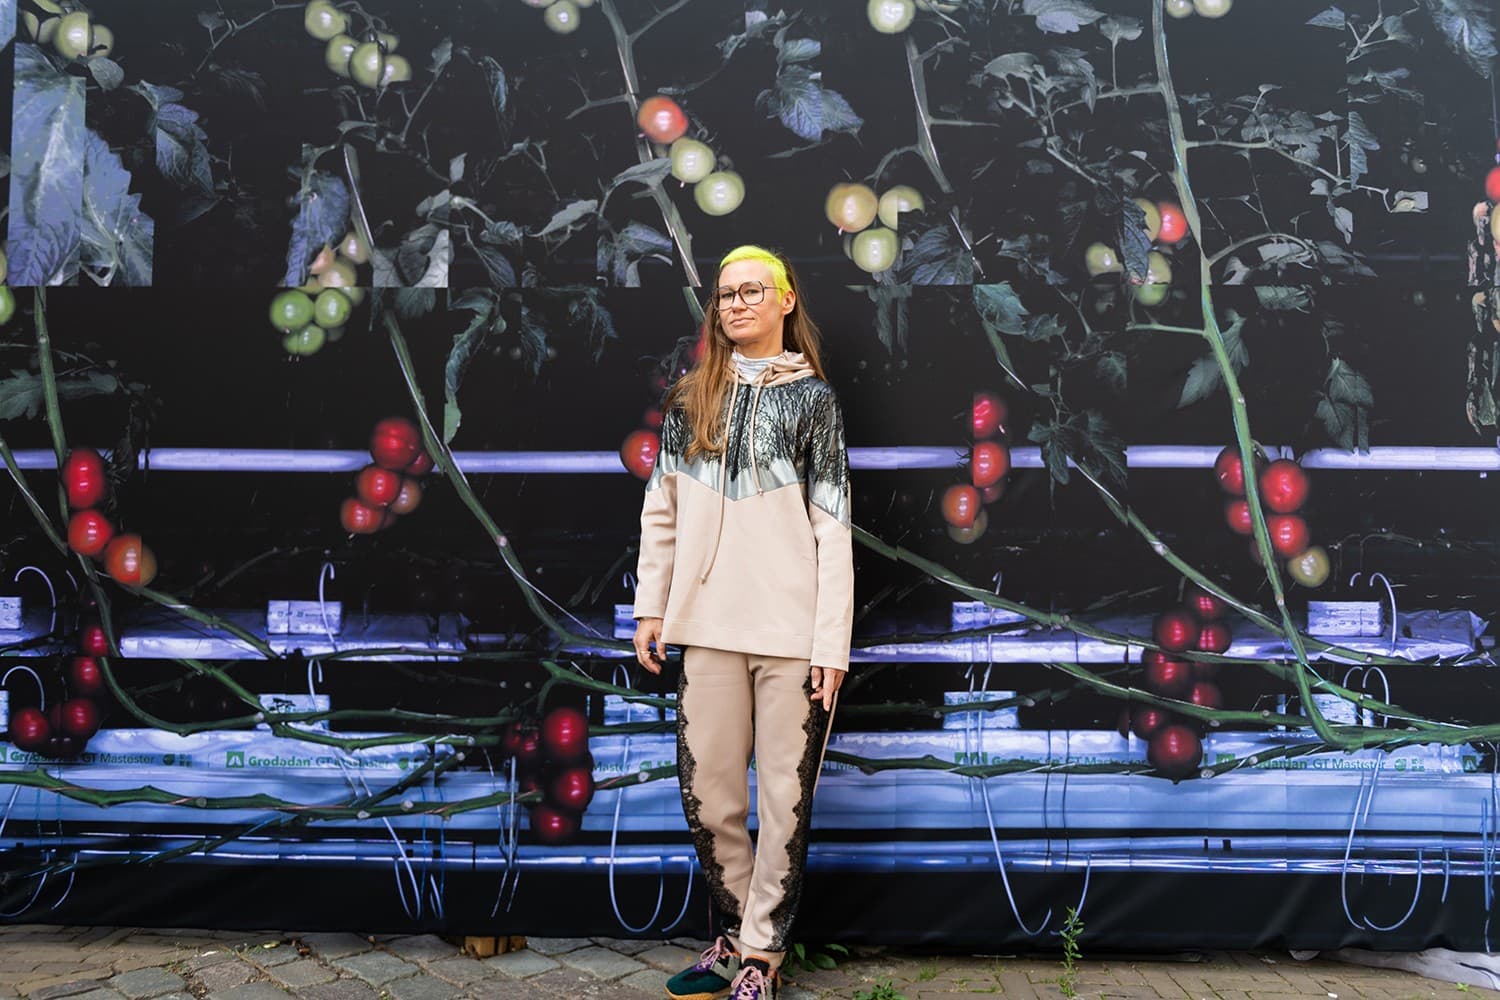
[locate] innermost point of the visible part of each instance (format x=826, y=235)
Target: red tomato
x=1289, y=535
x=408, y=497
x=961, y=505
x=359, y=518
x=973, y=533
x=420, y=466
x=1205, y=606
x=1173, y=223
x=1206, y=695
x=992, y=492
x=988, y=415
x=92, y=641
x=1147, y=720
x=1214, y=637
x=1230, y=471
x=652, y=418
x=661, y=120
x=1237, y=516
x=395, y=443
x=1175, y=751
x=565, y=734
x=85, y=677
x=89, y=532
x=1492, y=184
x=80, y=718
x=29, y=730
x=989, y=463
x=1168, y=678
x=83, y=477
x=552, y=825
x=1175, y=630
x=572, y=789
x=1284, y=487
x=639, y=452
x=377, y=487
x=130, y=561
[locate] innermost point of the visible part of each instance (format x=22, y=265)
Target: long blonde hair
x=705, y=387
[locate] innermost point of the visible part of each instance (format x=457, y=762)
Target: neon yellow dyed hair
x=751, y=252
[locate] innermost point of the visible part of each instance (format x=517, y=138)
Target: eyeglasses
x=752, y=293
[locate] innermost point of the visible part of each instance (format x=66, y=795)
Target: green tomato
x=583, y=3
x=875, y=250
x=340, y=274
x=1151, y=295
x=74, y=36
x=1158, y=269
x=1179, y=8
x=308, y=340
x=331, y=308
x=563, y=17
x=339, y=51
x=1212, y=8
x=890, y=17
x=1153, y=217
x=367, y=64
x=354, y=294
x=388, y=40
x=397, y=70
x=104, y=41
x=691, y=160
x=850, y=207
x=1311, y=568
x=323, y=20
x=30, y=23
x=901, y=198
x=352, y=247
x=50, y=6
x=5, y=267
x=291, y=310
x=7, y=304
x=720, y=193
x=1100, y=258
x=47, y=30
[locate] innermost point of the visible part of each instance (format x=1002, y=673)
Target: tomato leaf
x=1112, y=370
x=105, y=71
x=1135, y=245
x=118, y=238
x=1023, y=65
x=1204, y=377
x=1000, y=308
x=47, y=171
x=181, y=150
x=1343, y=220
x=7, y=22
x=571, y=214
x=1048, y=434
x=412, y=303
x=586, y=308
x=438, y=259
x=322, y=217
x=1465, y=25
x=1360, y=139
x=465, y=346
x=1283, y=297
x=799, y=100
x=1330, y=18
x=651, y=173
x=1061, y=16
x=22, y=394
x=1345, y=385
x=938, y=257
x=1120, y=28
x=619, y=255
x=502, y=273
x=796, y=50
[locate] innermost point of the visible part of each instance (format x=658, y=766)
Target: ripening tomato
x=1311, y=568
x=83, y=477
x=1289, y=535
x=961, y=505
x=992, y=492
x=989, y=464
x=89, y=532
x=408, y=498
x=973, y=533
x=129, y=561
x=988, y=414
x=1173, y=223
x=377, y=487
x=639, y=451
x=662, y=120
x=1284, y=486
x=395, y=443
x=359, y=518
x=1214, y=637
x=851, y=207
x=85, y=677
x=1237, y=515
x=420, y=466
x=1175, y=631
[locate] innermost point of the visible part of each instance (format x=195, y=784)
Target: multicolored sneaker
x=756, y=981
x=710, y=976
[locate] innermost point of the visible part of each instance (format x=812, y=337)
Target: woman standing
x=746, y=561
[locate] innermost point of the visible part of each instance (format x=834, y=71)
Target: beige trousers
x=730, y=704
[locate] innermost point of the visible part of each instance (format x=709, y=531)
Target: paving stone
x=580, y=986
x=227, y=975
x=64, y=989
x=521, y=964
x=462, y=970
x=601, y=962
x=669, y=957
x=251, y=991
x=217, y=956
x=377, y=967
x=272, y=954
x=796, y=993
x=513, y=989
x=303, y=972
x=336, y=945
x=143, y=983
x=340, y=989
x=651, y=981
x=556, y=946
x=421, y=948
x=97, y=994
x=626, y=946
x=423, y=987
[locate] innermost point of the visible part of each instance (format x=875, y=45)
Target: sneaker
x=756, y=981
x=709, y=977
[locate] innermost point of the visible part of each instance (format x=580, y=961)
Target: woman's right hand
x=648, y=631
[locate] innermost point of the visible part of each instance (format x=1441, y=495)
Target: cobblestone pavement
x=124, y=963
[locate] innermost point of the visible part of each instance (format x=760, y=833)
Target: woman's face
x=754, y=329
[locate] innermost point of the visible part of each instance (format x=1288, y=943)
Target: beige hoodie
x=751, y=550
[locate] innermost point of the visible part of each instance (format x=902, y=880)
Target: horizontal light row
x=1141, y=456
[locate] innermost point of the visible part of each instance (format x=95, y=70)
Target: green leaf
x=414, y=303
x=118, y=238
x=1111, y=368
x=106, y=72
x=1018, y=64
x=1465, y=26
x=47, y=171
x=1000, y=308
x=322, y=217
x=465, y=346
x=1345, y=385
x=1338, y=420
x=1118, y=28
x=938, y=257
x=441, y=53
x=1284, y=297
x=1204, y=377
x=1061, y=16
x=1360, y=139
x=650, y=173
x=23, y=395
x=1046, y=327
x=1330, y=18
x=1135, y=245
x=822, y=961
x=7, y=22
x=571, y=214
x=797, y=50
x=181, y=145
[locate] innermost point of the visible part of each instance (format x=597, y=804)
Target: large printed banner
x=332, y=357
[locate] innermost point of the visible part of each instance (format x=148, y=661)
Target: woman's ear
x=788, y=302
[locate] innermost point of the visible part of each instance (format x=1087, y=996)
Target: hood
x=788, y=366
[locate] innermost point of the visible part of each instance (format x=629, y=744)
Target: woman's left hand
x=825, y=683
